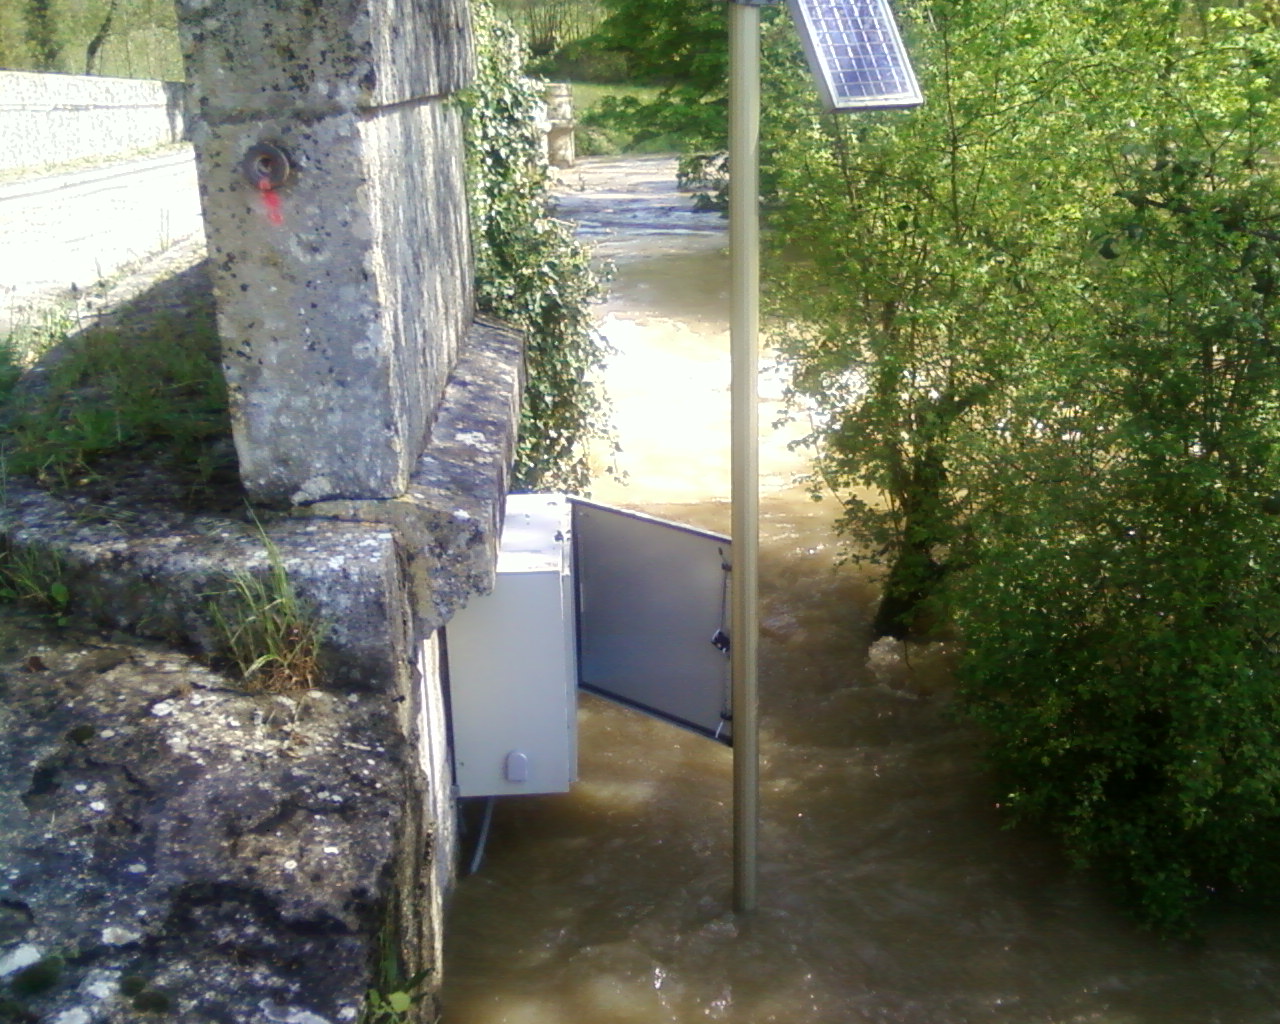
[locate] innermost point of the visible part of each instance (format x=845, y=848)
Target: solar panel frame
x=856, y=54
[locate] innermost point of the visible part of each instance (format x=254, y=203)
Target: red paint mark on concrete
x=270, y=202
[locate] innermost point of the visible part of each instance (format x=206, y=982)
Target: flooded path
x=889, y=891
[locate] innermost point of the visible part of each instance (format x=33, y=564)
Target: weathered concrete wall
x=342, y=296
x=251, y=858
x=369, y=406
x=49, y=119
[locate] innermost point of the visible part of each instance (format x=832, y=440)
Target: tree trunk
x=912, y=582
x=99, y=38
x=915, y=574
x=45, y=52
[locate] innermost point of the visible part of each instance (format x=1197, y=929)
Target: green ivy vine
x=530, y=270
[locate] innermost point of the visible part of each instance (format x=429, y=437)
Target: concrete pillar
x=560, y=125
x=344, y=292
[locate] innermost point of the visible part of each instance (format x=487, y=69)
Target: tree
x=936, y=272
x=46, y=52
x=1123, y=629
x=547, y=25
x=1039, y=318
x=669, y=42
x=92, y=53
x=683, y=47
x=131, y=38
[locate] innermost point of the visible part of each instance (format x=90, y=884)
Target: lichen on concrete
x=224, y=850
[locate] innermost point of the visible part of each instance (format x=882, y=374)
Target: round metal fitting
x=265, y=166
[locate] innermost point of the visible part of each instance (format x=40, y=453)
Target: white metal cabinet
x=512, y=671
x=629, y=607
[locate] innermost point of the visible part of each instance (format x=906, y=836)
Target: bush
x=668, y=121
x=1123, y=627
x=1036, y=320
x=583, y=61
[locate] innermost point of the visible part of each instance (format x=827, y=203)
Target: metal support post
x=744, y=329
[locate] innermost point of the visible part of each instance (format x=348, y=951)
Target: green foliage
x=597, y=130
x=41, y=38
x=125, y=38
x=1035, y=325
x=582, y=61
x=392, y=997
x=1124, y=631
x=673, y=119
x=393, y=1007
x=11, y=366
x=681, y=47
x=272, y=636
x=530, y=270
x=154, y=392
x=36, y=578
x=933, y=274
x=668, y=42
x=546, y=26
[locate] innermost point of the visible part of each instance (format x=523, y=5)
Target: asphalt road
x=76, y=229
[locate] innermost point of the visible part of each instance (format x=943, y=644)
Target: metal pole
x=744, y=329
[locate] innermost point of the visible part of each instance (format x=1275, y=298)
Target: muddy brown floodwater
x=889, y=891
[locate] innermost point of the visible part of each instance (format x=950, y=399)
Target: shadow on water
x=890, y=892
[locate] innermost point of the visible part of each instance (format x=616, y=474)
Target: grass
x=138, y=412
x=75, y=408
x=271, y=635
x=35, y=578
x=587, y=96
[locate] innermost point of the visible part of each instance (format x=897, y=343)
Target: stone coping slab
x=450, y=518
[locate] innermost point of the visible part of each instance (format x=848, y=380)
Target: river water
x=889, y=891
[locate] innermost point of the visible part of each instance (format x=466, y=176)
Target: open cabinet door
x=653, y=616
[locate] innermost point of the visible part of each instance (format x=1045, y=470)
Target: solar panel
x=856, y=54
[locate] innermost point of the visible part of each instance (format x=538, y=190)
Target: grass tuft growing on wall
x=271, y=635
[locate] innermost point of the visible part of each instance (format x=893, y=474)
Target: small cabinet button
x=517, y=767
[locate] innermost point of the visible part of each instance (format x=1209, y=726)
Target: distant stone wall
x=50, y=119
